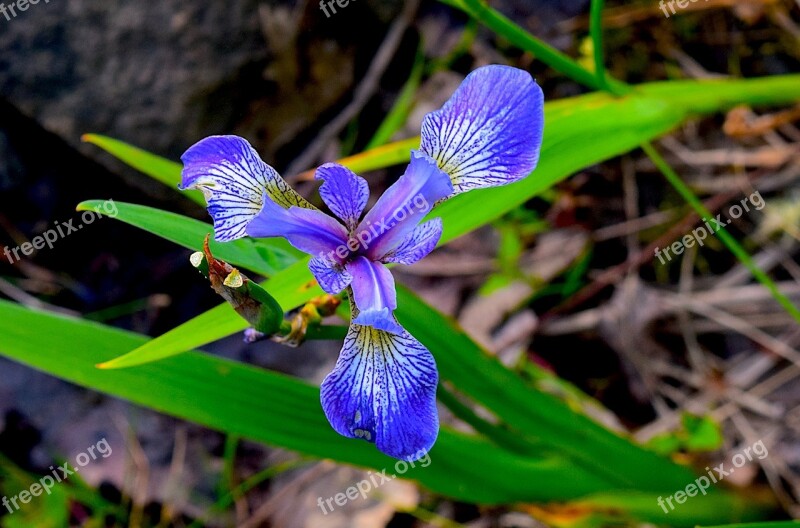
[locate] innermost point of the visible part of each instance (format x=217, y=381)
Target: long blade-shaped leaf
x=268, y=407
x=264, y=256
x=278, y=410
x=161, y=169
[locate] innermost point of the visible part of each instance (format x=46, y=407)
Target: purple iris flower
x=383, y=387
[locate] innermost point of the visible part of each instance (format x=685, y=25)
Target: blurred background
x=688, y=345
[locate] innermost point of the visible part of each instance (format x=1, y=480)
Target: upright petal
x=490, y=131
x=421, y=241
x=233, y=178
x=383, y=389
x=374, y=294
x=399, y=210
x=344, y=192
x=309, y=230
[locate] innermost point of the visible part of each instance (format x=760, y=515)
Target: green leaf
x=272, y=408
x=161, y=169
x=551, y=423
x=589, y=130
x=264, y=256
x=632, y=508
x=714, y=95
x=696, y=434
x=381, y=157
x=598, y=51
x=47, y=510
x=774, y=524
x=524, y=40
x=703, y=433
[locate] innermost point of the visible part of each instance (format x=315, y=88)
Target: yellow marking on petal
x=234, y=279
x=358, y=416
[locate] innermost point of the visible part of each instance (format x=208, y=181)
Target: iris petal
x=374, y=294
x=383, y=389
x=309, y=230
x=344, y=192
x=421, y=241
x=490, y=131
x=233, y=178
x=398, y=211
x=331, y=277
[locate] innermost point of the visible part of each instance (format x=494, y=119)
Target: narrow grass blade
x=166, y=171
x=524, y=40
x=598, y=51
x=264, y=256
x=731, y=243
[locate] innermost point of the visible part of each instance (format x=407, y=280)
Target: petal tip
x=489, y=132
x=233, y=179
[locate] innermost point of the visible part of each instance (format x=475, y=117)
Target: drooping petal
x=233, y=178
x=399, y=210
x=309, y=230
x=421, y=241
x=383, y=389
x=344, y=192
x=332, y=278
x=374, y=294
x=490, y=131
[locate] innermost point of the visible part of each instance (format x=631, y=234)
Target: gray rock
x=123, y=68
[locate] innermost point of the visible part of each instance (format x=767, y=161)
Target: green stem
x=598, y=52
x=524, y=40
x=730, y=242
